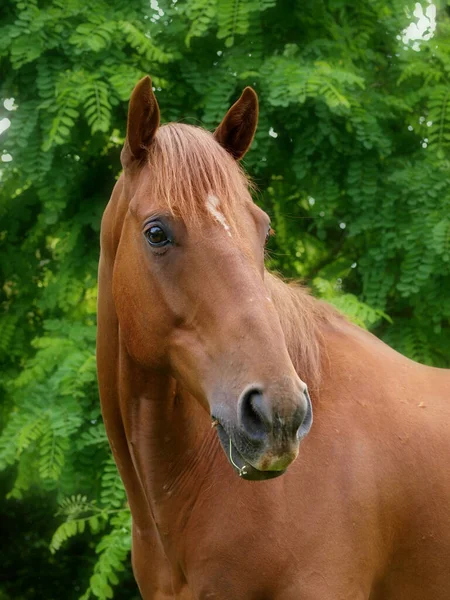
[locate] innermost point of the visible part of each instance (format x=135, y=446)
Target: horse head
x=189, y=282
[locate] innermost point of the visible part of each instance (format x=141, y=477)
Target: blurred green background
x=351, y=160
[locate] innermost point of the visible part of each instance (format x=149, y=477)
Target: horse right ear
x=143, y=121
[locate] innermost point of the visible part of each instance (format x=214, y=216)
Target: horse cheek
x=144, y=324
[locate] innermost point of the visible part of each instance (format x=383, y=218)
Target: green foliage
x=351, y=158
x=359, y=312
x=113, y=551
x=114, y=546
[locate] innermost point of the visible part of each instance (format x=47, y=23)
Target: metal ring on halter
x=241, y=470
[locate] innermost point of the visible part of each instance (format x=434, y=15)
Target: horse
x=269, y=448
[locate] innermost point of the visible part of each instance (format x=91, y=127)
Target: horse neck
x=170, y=438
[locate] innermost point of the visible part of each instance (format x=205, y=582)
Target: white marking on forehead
x=212, y=203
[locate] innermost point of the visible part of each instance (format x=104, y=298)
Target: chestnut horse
x=203, y=362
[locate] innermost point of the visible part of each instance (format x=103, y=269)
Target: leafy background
x=352, y=162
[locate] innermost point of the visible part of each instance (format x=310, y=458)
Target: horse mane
x=186, y=164
x=302, y=319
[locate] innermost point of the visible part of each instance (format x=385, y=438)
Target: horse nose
x=258, y=418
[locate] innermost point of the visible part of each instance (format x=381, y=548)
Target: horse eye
x=156, y=236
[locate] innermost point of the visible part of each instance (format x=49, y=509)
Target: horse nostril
x=304, y=417
x=297, y=418
x=255, y=413
x=260, y=420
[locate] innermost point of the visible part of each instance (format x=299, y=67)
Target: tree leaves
x=97, y=107
x=294, y=81
x=351, y=158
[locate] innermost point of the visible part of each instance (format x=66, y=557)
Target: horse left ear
x=237, y=130
x=143, y=121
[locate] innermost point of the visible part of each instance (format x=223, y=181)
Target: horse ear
x=143, y=121
x=238, y=127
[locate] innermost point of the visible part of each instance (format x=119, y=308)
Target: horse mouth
x=242, y=467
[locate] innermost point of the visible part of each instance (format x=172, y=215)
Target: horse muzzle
x=264, y=441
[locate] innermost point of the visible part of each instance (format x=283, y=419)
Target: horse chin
x=242, y=467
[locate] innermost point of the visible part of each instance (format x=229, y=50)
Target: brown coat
x=184, y=329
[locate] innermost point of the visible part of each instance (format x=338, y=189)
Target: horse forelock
x=187, y=167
